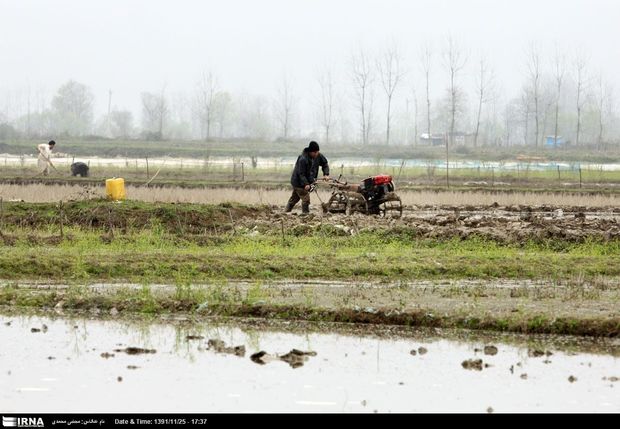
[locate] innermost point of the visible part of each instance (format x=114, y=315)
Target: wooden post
x=61, y=215
x=400, y=170
x=282, y=225
x=527, y=171
x=1, y=215
x=447, y=161
x=492, y=177
x=232, y=221
x=242, y=172
x=110, y=225
x=580, y=177
x=147, y=168
x=559, y=178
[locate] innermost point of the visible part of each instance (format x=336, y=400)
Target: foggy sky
x=131, y=46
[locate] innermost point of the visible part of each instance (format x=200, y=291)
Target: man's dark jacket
x=307, y=169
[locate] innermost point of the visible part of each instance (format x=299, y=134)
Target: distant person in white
x=45, y=153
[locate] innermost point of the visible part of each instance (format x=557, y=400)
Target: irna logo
x=22, y=422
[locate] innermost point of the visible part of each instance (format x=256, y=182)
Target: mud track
x=502, y=224
x=512, y=224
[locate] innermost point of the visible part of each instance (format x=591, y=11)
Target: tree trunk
x=363, y=111
x=478, y=120
x=578, y=126
x=536, y=116
x=428, y=111
x=387, y=131
x=453, y=108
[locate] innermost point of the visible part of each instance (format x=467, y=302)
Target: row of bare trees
x=538, y=96
x=456, y=97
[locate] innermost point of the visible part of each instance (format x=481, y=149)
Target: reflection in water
x=86, y=365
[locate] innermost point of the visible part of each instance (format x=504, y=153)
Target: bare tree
x=222, y=102
x=559, y=70
x=154, y=112
x=260, y=119
x=581, y=82
x=344, y=122
x=28, y=117
x=73, y=105
x=206, y=90
x=483, y=82
x=363, y=78
x=326, y=84
x=109, y=115
x=122, y=123
x=604, y=107
x=285, y=103
x=454, y=62
x=525, y=106
x=546, y=102
x=425, y=61
x=492, y=125
x=611, y=106
x=600, y=102
x=415, y=118
x=511, y=118
x=534, y=76
x=390, y=74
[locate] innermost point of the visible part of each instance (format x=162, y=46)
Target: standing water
x=81, y=365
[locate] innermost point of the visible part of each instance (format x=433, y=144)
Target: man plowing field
x=45, y=153
x=305, y=175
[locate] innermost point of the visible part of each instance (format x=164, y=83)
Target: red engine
x=374, y=181
x=382, y=179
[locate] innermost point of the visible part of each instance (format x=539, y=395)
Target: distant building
x=551, y=141
x=433, y=139
x=459, y=139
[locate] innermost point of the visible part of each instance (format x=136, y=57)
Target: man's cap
x=313, y=147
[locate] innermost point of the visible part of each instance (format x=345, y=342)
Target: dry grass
x=505, y=199
x=52, y=193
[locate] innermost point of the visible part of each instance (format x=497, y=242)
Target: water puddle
x=82, y=365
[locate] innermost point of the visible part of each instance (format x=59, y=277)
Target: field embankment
x=518, y=268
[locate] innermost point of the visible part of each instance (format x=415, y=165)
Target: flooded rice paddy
x=77, y=364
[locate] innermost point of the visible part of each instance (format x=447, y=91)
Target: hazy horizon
x=137, y=46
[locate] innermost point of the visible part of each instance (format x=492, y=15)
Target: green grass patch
x=154, y=255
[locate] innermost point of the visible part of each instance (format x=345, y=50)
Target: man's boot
x=289, y=207
x=305, y=208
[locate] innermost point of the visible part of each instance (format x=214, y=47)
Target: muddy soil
x=294, y=368
x=574, y=307
x=511, y=224
x=197, y=223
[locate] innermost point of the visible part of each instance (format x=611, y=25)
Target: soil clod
x=219, y=346
x=472, y=364
x=135, y=351
x=490, y=350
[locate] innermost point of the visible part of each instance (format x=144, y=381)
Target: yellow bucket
x=115, y=189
